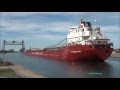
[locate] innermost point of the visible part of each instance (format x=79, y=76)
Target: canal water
x=64, y=69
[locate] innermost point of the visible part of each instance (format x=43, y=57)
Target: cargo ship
x=83, y=43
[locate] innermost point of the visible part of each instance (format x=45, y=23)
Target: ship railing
x=52, y=48
x=102, y=39
x=98, y=41
x=94, y=43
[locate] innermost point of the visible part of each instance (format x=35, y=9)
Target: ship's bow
x=103, y=53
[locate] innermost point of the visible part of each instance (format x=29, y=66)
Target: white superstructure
x=84, y=33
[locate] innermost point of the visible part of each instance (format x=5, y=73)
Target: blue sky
x=41, y=29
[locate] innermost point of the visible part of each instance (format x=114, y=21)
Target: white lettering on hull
x=75, y=51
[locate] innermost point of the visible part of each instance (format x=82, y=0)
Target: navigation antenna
x=95, y=23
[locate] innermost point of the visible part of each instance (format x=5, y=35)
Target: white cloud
x=18, y=26
x=50, y=37
x=43, y=37
x=9, y=14
x=12, y=26
x=40, y=13
x=58, y=26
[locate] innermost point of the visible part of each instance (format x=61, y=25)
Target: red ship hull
x=74, y=53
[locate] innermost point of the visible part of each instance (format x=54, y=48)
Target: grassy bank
x=8, y=73
x=9, y=70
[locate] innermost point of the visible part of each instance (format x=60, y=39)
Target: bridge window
x=83, y=30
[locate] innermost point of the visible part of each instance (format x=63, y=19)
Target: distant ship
x=82, y=43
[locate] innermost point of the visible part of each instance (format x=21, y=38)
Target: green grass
x=8, y=73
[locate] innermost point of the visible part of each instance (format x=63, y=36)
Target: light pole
x=95, y=23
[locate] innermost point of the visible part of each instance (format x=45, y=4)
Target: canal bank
x=9, y=70
x=115, y=54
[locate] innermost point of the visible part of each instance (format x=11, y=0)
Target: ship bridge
x=80, y=33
